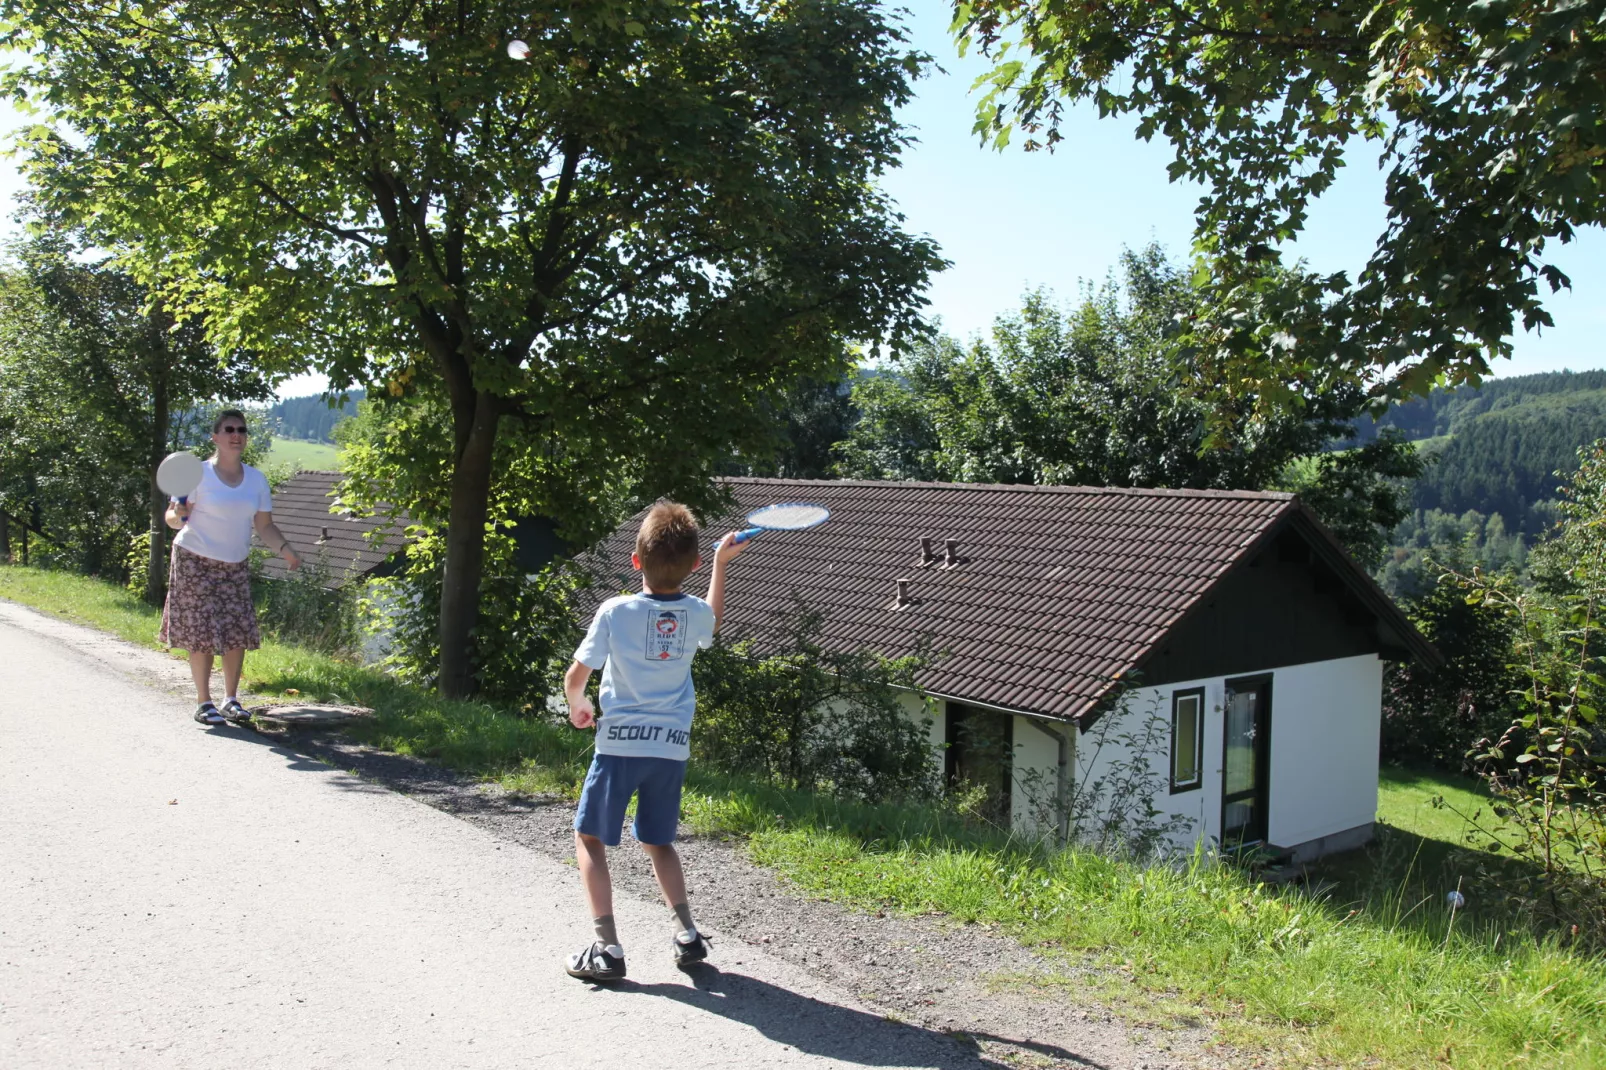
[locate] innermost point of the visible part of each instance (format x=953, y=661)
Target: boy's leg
x=657, y=816
x=592, y=858
x=597, y=825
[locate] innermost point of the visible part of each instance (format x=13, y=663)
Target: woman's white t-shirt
x=221, y=516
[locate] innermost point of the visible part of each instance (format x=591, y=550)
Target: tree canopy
x=1094, y=395
x=665, y=211
x=97, y=385
x=1489, y=117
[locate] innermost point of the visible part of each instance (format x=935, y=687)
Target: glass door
x=1246, y=764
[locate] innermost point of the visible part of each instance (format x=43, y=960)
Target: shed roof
x=306, y=510
x=1059, y=591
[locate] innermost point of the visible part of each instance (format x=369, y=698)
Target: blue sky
x=1012, y=221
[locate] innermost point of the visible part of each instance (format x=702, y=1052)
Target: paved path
x=174, y=897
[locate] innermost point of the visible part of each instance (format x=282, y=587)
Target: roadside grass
x=1365, y=966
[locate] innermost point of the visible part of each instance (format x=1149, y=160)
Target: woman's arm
x=274, y=539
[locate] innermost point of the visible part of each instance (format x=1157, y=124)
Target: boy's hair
x=226, y=414
x=667, y=545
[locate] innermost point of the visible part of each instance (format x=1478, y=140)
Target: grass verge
x=1373, y=971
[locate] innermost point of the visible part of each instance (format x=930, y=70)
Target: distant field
x=304, y=455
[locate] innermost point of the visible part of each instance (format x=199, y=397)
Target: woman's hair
x=667, y=545
x=224, y=415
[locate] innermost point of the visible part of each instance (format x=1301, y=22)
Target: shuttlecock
x=518, y=49
x=1455, y=899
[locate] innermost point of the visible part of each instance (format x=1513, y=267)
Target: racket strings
x=788, y=516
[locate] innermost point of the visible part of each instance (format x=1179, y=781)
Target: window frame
x=1177, y=698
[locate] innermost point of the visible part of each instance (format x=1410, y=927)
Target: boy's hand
x=727, y=548
x=581, y=715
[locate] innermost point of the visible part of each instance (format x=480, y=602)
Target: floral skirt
x=208, y=606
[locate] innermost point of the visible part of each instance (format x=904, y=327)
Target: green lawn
x=307, y=456
x=1368, y=967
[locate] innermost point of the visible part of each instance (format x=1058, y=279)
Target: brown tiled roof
x=303, y=509
x=1061, y=590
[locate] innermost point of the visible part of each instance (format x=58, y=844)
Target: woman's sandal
x=235, y=713
x=208, y=714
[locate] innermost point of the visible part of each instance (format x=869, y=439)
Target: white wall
x=1325, y=719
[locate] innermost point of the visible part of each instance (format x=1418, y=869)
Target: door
x=1246, y=764
x=981, y=755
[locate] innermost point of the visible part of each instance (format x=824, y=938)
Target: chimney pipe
x=325, y=536
x=903, y=594
x=951, y=546
x=927, y=554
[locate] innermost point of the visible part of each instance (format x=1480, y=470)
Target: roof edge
x=1022, y=488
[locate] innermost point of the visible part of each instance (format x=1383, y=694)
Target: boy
x=644, y=644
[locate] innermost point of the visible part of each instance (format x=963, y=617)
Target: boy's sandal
x=208, y=714
x=233, y=711
x=595, y=964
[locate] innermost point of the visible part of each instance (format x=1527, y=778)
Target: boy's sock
x=607, y=932
x=688, y=929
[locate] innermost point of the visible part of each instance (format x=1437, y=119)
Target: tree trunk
x=156, y=562
x=465, y=547
x=5, y=539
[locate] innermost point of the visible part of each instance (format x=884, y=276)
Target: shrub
x=526, y=631
x=794, y=714
x=311, y=607
x=1545, y=772
x=1437, y=716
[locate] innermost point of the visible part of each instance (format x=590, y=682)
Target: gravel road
x=175, y=896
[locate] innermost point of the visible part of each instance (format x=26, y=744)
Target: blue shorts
x=655, y=782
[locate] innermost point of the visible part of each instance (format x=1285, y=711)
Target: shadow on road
x=297, y=758
x=830, y=1031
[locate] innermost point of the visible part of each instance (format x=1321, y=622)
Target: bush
x=311, y=607
x=1547, y=771
x=802, y=717
x=1437, y=716
x=526, y=631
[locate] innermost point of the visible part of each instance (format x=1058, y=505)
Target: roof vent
x=901, y=599
x=951, y=553
x=325, y=536
x=928, y=556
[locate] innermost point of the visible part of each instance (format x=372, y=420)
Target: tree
x=1097, y=395
x=665, y=212
x=100, y=384
x=1488, y=117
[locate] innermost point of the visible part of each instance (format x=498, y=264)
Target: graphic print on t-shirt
x=666, y=635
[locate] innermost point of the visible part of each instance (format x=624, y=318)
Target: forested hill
x=312, y=418
x=1498, y=446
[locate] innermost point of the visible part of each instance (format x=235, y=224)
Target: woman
x=209, y=607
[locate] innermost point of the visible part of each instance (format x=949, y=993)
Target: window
x=1187, y=739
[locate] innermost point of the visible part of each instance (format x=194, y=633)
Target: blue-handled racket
x=785, y=516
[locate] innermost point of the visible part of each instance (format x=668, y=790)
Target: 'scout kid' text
x=648, y=733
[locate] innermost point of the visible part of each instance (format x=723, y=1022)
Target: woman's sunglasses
x=230, y=429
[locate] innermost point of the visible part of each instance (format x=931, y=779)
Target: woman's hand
x=291, y=558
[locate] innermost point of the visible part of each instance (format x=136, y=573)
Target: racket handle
x=745, y=534
x=184, y=499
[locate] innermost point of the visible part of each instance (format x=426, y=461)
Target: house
x=1231, y=624
x=342, y=547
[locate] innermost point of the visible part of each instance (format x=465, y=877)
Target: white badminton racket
x=784, y=516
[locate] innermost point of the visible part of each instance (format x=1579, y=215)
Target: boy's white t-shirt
x=221, y=516
x=644, y=643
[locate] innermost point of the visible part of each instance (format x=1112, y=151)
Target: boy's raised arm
x=725, y=551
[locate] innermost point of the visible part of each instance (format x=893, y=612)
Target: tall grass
x=1373, y=971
